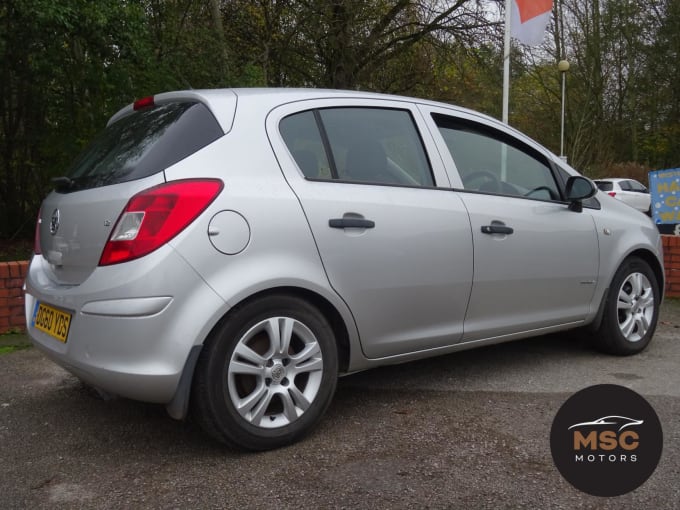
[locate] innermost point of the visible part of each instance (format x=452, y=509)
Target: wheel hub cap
x=635, y=307
x=274, y=373
x=278, y=373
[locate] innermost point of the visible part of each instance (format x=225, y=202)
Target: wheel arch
x=654, y=264
x=178, y=407
x=651, y=259
x=329, y=311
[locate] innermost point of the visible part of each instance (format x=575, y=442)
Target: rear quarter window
x=143, y=143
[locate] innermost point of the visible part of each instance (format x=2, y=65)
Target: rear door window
x=636, y=186
x=368, y=145
x=143, y=143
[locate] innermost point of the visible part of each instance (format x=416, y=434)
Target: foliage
x=68, y=65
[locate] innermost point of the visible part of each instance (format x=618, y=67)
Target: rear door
x=396, y=248
x=639, y=195
x=536, y=261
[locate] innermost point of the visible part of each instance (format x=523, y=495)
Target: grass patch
x=7, y=349
x=11, y=342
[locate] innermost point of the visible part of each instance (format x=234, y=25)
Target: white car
x=629, y=191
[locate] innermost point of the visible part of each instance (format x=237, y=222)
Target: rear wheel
x=631, y=311
x=267, y=375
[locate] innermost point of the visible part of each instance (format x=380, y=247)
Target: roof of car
x=283, y=95
x=225, y=100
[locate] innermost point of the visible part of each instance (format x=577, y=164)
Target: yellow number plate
x=52, y=321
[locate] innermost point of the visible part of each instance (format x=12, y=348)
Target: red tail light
x=154, y=216
x=36, y=237
x=612, y=193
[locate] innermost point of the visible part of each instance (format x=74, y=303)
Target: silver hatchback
x=229, y=253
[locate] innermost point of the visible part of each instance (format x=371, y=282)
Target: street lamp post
x=563, y=67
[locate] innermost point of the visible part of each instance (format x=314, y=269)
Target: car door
x=396, y=248
x=627, y=194
x=640, y=195
x=535, y=260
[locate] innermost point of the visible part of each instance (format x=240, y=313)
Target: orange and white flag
x=530, y=19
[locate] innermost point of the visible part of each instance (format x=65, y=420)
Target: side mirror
x=579, y=188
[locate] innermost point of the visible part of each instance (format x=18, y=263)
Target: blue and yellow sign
x=664, y=187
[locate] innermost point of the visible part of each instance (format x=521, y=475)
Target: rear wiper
x=63, y=182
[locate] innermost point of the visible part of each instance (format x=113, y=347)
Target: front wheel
x=631, y=310
x=267, y=375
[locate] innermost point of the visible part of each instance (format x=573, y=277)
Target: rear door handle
x=497, y=229
x=350, y=223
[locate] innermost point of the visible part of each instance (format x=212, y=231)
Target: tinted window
x=625, y=185
x=491, y=162
x=302, y=136
x=604, y=185
x=144, y=143
x=371, y=145
x=636, y=186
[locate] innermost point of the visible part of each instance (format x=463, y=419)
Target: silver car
x=229, y=253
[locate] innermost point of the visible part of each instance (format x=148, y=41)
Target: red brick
x=14, y=270
x=4, y=291
x=16, y=292
x=23, y=267
x=4, y=312
x=15, y=282
x=4, y=270
x=670, y=241
x=17, y=321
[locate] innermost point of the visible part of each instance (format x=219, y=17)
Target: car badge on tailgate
x=54, y=222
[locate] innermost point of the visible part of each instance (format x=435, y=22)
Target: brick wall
x=12, y=275
x=671, y=261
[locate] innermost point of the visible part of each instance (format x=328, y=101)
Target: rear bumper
x=132, y=325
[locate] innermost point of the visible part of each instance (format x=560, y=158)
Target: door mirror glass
x=580, y=188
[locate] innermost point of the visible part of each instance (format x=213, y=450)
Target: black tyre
x=267, y=374
x=631, y=310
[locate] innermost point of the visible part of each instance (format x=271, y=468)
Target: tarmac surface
x=468, y=430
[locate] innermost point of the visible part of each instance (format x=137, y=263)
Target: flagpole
x=506, y=61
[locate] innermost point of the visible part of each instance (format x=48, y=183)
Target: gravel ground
x=468, y=430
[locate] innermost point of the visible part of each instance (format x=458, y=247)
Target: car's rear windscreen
x=604, y=185
x=143, y=143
